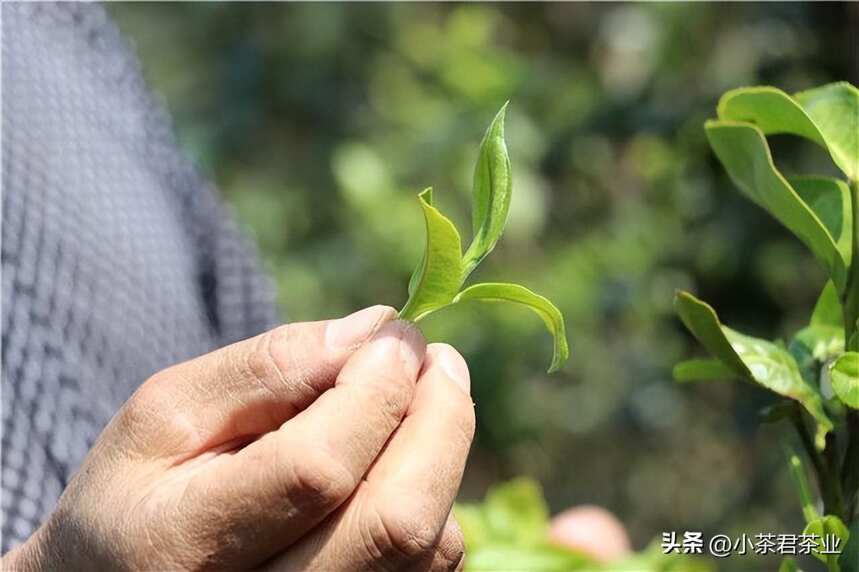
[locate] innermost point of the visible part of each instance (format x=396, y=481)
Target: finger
x=449, y=553
x=245, y=389
x=394, y=519
x=591, y=530
x=276, y=489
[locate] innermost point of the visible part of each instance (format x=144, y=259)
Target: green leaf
x=844, y=373
x=823, y=338
x=827, y=115
x=653, y=559
x=546, y=558
x=551, y=316
x=827, y=526
x=788, y=565
x=771, y=109
x=516, y=513
x=700, y=319
x=755, y=359
x=821, y=341
x=828, y=310
x=417, y=273
x=835, y=110
x=830, y=200
x=743, y=150
x=436, y=280
x=493, y=186
x=475, y=529
x=777, y=370
x=702, y=370
x=509, y=531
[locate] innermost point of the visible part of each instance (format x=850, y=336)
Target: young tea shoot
x=816, y=375
x=439, y=277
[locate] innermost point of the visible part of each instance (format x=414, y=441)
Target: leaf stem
x=808, y=443
x=832, y=476
x=827, y=474
x=797, y=470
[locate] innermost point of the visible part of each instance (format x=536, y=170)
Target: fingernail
x=354, y=329
x=454, y=366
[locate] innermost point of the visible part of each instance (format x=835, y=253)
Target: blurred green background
x=320, y=123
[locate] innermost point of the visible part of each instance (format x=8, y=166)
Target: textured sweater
x=117, y=258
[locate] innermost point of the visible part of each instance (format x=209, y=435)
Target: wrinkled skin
x=335, y=445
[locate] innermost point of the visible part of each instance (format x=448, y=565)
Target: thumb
x=242, y=390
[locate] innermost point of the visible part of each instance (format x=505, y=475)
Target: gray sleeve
x=117, y=258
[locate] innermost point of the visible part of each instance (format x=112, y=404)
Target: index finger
x=395, y=519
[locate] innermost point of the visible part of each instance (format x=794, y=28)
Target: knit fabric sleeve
x=117, y=258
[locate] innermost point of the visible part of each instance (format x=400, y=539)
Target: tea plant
x=438, y=280
x=509, y=531
x=816, y=374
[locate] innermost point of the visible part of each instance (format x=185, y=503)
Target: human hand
x=334, y=445
x=591, y=530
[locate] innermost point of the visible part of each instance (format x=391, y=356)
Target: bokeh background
x=321, y=122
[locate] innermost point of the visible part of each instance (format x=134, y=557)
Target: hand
x=591, y=530
x=334, y=445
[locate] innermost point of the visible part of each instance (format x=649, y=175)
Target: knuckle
x=279, y=364
x=314, y=480
x=279, y=344
x=262, y=362
x=141, y=410
x=401, y=534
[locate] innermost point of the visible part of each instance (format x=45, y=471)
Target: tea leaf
x=755, y=359
x=828, y=526
x=545, y=558
x=471, y=520
x=743, y=150
x=823, y=338
x=702, y=370
x=702, y=321
x=845, y=378
x=828, y=310
x=827, y=115
x=436, y=280
x=835, y=110
x=517, y=513
x=771, y=109
x=830, y=200
x=821, y=341
x=788, y=565
x=491, y=192
x=551, y=316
